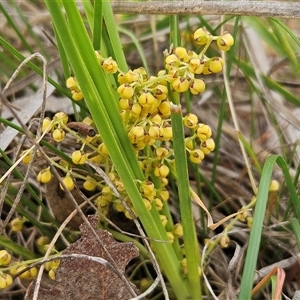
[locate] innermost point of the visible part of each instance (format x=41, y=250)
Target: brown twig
x=289, y=10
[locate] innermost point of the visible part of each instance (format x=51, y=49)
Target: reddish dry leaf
x=82, y=279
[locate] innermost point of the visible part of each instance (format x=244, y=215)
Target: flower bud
x=58, y=135
x=178, y=230
x=190, y=120
x=207, y=146
x=161, y=171
x=79, y=157
x=44, y=175
x=203, y=132
x=196, y=156
x=5, y=258
x=5, y=280
x=69, y=183
x=201, y=36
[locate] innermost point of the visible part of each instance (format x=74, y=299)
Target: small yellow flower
x=58, y=135
x=27, y=158
x=79, y=157
x=146, y=100
x=190, y=120
x=197, y=86
x=201, y=36
x=207, y=146
x=47, y=125
x=224, y=241
x=274, y=186
x=158, y=204
x=163, y=219
x=164, y=195
x=44, y=175
x=225, y=41
x=61, y=117
x=5, y=280
x=124, y=103
x=170, y=237
x=17, y=224
x=166, y=133
x=161, y=152
x=109, y=65
x=77, y=95
x=5, y=258
x=52, y=273
x=165, y=108
x=180, y=85
x=90, y=184
x=203, y=132
x=178, y=230
x=216, y=64
x=196, y=65
x=29, y=274
x=71, y=83
x=147, y=204
x=125, y=91
x=69, y=183
x=161, y=171
x=196, y=156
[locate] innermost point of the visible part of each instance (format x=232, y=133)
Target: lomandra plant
x=141, y=137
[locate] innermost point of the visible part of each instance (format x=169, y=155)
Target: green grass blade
x=6, y=243
x=258, y=218
x=191, y=246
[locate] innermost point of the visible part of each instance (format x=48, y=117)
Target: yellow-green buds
x=249, y=222
x=196, y=156
x=224, y=241
x=197, y=86
x=17, y=224
x=109, y=65
x=52, y=273
x=183, y=264
x=58, y=135
x=146, y=100
x=46, y=126
x=79, y=157
x=161, y=171
x=61, y=117
x=29, y=274
x=27, y=158
x=216, y=64
x=180, y=85
x=163, y=220
x=5, y=258
x=196, y=65
x=5, y=280
x=147, y=203
x=44, y=176
x=170, y=237
x=203, y=132
x=178, y=230
x=190, y=120
x=201, y=36
x=125, y=91
x=161, y=152
x=274, y=186
x=69, y=183
x=207, y=146
x=90, y=184
x=225, y=41
x=73, y=85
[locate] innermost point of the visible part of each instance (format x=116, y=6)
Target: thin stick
x=289, y=10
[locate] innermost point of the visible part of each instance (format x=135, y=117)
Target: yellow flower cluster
x=146, y=112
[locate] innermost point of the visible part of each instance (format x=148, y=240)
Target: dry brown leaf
x=84, y=279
